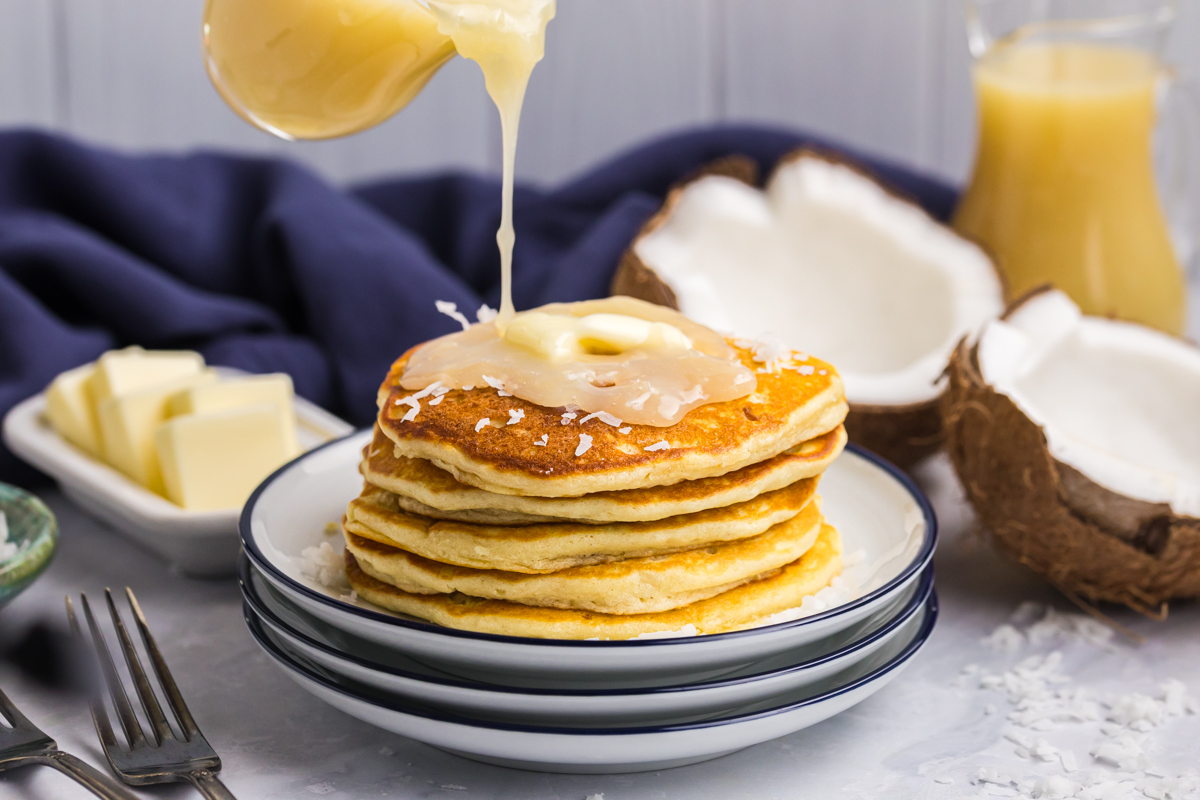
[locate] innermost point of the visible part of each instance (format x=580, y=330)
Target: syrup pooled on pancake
x=640, y=363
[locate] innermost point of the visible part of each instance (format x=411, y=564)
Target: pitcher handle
x=1179, y=167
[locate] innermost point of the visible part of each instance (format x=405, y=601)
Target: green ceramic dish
x=33, y=529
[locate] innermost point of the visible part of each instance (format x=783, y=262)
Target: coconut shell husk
x=1088, y=540
x=903, y=434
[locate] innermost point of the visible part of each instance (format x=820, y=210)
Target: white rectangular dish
x=197, y=543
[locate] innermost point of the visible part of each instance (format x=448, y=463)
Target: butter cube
x=70, y=411
x=127, y=424
x=120, y=372
x=610, y=334
x=238, y=393
x=215, y=460
x=551, y=336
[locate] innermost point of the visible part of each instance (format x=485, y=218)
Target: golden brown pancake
x=786, y=409
x=424, y=489
x=632, y=586
x=738, y=608
x=549, y=547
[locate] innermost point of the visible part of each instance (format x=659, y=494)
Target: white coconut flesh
x=1118, y=402
x=831, y=263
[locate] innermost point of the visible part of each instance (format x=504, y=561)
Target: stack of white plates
x=590, y=706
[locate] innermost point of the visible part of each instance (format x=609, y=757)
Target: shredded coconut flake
x=515, y=415
x=451, y=311
x=567, y=417
x=496, y=384
x=542, y=442
x=639, y=402
x=469, y=388
x=428, y=390
x=662, y=445
x=414, y=404
x=483, y=423
x=626, y=429
x=603, y=416
x=324, y=565
x=668, y=406
x=585, y=444
x=486, y=313
x=7, y=549
x=1042, y=698
x=770, y=351
x=437, y=400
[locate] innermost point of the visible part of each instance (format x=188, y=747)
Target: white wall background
x=890, y=76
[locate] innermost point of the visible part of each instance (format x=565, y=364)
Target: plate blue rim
x=251, y=549
x=395, y=704
x=252, y=603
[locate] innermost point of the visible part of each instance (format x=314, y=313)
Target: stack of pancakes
x=487, y=513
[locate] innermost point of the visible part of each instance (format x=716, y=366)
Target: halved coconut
x=832, y=263
x=1077, y=440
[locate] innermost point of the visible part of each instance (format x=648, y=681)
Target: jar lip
x=1145, y=24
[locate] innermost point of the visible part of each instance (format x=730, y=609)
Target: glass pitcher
x=315, y=69
x=1065, y=190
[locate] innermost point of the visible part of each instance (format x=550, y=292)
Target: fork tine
x=158, y=722
x=133, y=730
x=99, y=715
x=14, y=717
x=174, y=697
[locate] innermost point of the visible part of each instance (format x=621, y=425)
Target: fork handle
x=84, y=774
x=209, y=785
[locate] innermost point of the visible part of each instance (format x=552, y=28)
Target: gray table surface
x=926, y=735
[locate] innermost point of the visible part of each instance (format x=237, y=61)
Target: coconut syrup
x=627, y=360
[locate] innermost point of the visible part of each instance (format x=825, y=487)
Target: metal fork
x=163, y=757
x=24, y=744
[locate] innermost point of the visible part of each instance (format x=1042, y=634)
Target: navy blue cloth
x=261, y=265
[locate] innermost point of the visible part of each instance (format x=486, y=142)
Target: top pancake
x=786, y=409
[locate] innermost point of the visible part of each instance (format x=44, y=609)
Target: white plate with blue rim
x=888, y=533
x=669, y=742
x=389, y=671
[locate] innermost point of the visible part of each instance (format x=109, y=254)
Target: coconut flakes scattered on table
x=1045, y=704
x=515, y=415
x=603, y=416
x=451, y=311
x=663, y=445
x=585, y=444
x=483, y=423
x=542, y=442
